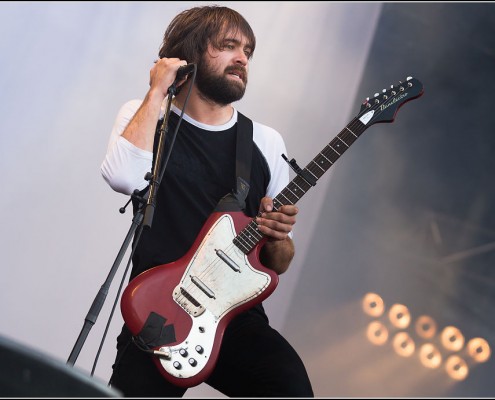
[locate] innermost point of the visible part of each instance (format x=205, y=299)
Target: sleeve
x=125, y=165
x=272, y=146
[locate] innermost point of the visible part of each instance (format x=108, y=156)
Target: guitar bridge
x=183, y=298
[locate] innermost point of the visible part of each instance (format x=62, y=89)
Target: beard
x=219, y=88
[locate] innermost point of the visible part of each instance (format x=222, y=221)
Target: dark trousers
x=254, y=361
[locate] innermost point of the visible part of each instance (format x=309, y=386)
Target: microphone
x=184, y=71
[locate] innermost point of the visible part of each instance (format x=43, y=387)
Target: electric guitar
x=179, y=311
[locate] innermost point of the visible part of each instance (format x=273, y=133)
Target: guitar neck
x=382, y=108
x=250, y=236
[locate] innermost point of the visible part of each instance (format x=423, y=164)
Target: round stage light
x=452, y=338
x=373, y=304
x=426, y=327
x=479, y=349
x=456, y=367
x=403, y=344
x=377, y=333
x=399, y=316
x=430, y=356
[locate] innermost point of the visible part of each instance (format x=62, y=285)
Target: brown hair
x=189, y=33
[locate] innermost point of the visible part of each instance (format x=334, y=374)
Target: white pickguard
x=212, y=285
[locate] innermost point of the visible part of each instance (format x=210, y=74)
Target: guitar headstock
x=384, y=106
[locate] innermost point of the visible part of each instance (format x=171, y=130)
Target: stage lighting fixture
x=399, y=316
x=403, y=344
x=456, y=368
x=479, y=349
x=430, y=356
x=373, y=305
x=452, y=338
x=426, y=327
x=377, y=333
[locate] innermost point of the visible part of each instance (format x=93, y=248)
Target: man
x=254, y=359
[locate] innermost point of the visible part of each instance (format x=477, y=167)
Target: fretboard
x=250, y=236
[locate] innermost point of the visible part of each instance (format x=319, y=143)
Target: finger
x=266, y=204
x=288, y=210
x=276, y=221
x=278, y=232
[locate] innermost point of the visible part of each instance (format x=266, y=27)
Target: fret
x=296, y=198
x=319, y=166
x=241, y=245
x=316, y=173
x=351, y=132
x=323, y=155
x=343, y=141
x=276, y=203
x=312, y=173
x=305, y=186
x=251, y=241
x=330, y=155
x=335, y=150
x=288, y=200
x=256, y=234
x=297, y=187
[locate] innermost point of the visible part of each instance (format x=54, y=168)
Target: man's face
x=222, y=73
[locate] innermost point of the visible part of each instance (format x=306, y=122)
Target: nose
x=241, y=57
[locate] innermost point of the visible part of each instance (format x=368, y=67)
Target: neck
x=201, y=109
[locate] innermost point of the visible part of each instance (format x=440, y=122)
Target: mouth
x=237, y=73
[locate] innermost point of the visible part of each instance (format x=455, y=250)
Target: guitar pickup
x=228, y=260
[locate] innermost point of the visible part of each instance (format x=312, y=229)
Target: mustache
x=241, y=71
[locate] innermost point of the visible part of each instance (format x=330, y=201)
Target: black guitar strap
x=243, y=158
x=236, y=200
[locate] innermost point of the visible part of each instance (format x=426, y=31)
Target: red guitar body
x=197, y=296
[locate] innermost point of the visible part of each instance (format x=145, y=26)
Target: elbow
x=117, y=180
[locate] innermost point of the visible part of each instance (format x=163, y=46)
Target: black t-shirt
x=199, y=173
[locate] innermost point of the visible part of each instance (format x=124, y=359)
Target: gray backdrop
x=404, y=214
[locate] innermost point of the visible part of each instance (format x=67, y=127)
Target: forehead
x=236, y=35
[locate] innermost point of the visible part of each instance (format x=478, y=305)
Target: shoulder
x=269, y=140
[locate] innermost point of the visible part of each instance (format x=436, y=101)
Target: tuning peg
x=408, y=78
x=377, y=94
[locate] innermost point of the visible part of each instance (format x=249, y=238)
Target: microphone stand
x=99, y=300
x=139, y=218
x=155, y=179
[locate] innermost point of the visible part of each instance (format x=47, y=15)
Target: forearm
x=141, y=129
x=277, y=254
